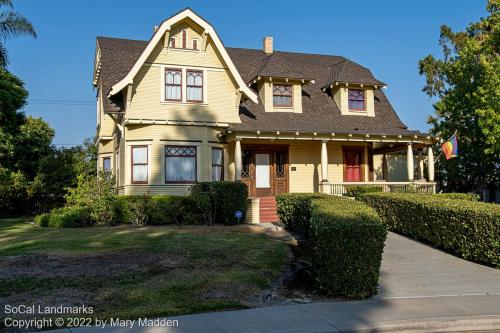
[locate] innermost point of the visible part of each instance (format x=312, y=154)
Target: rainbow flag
x=450, y=147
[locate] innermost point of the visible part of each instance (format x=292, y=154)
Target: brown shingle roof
x=319, y=111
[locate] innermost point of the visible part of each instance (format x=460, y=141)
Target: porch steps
x=267, y=210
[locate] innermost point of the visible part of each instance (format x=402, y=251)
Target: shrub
x=344, y=238
x=357, y=190
x=294, y=211
x=460, y=196
x=467, y=228
x=134, y=209
x=346, y=246
x=217, y=201
x=42, y=220
x=70, y=217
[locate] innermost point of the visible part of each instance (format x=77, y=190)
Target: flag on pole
x=450, y=147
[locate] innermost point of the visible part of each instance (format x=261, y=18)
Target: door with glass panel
x=263, y=174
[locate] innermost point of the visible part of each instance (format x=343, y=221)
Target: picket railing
x=339, y=188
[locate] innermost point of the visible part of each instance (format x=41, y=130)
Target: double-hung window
x=194, y=86
x=180, y=164
x=173, y=84
x=282, y=95
x=217, y=164
x=139, y=164
x=357, y=100
x=106, y=164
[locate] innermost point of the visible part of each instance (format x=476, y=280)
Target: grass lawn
x=131, y=272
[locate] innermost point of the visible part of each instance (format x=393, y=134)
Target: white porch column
x=237, y=160
x=420, y=164
x=324, y=162
x=324, y=185
x=409, y=162
x=430, y=164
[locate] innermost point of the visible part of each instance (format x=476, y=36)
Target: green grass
x=132, y=272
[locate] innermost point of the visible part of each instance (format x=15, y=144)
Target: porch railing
x=339, y=188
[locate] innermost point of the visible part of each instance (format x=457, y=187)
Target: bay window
x=139, y=164
x=173, y=84
x=180, y=164
x=217, y=164
x=194, y=86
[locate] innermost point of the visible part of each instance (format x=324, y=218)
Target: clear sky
x=387, y=36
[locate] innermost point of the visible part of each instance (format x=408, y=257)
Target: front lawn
x=132, y=272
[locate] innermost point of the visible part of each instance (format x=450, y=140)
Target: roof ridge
x=118, y=38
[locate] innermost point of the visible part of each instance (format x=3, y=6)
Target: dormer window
x=172, y=42
x=195, y=44
x=282, y=95
x=357, y=100
x=184, y=38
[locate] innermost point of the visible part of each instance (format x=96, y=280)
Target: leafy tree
x=12, y=25
x=466, y=80
x=86, y=158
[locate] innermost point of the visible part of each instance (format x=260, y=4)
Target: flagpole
x=441, y=153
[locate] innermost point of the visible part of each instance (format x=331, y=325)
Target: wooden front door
x=353, y=160
x=265, y=170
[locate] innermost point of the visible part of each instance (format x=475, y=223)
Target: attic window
x=184, y=38
x=172, y=42
x=282, y=95
x=357, y=100
x=195, y=44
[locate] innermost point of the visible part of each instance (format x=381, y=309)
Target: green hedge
x=358, y=190
x=218, y=201
x=66, y=217
x=344, y=238
x=294, y=211
x=467, y=228
x=460, y=196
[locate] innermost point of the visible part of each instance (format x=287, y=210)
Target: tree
x=12, y=25
x=467, y=83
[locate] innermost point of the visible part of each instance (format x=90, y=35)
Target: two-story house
x=182, y=107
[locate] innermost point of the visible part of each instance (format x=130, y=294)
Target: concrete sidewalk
x=421, y=290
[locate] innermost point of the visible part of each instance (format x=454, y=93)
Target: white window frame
x=184, y=70
x=128, y=160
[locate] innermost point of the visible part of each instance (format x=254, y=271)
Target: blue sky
x=389, y=37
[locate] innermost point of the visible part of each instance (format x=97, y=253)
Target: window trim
x=221, y=165
x=175, y=85
x=132, y=165
x=291, y=96
x=364, y=109
x=195, y=164
x=192, y=86
x=184, y=38
x=103, y=165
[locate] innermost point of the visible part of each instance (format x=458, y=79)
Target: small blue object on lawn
x=238, y=214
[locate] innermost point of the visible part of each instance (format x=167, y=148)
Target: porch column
x=324, y=185
x=237, y=160
x=430, y=164
x=409, y=162
x=420, y=164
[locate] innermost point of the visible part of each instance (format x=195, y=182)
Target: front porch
x=271, y=165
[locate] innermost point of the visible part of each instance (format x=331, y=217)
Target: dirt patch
x=85, y=264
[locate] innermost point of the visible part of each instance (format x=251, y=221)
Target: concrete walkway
x=421, y=290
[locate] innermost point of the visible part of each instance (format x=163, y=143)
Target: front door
x=353, y=159
x=263, y=186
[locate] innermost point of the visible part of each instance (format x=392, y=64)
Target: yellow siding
x=156, y=137
x=105, y=146
x=106, y=124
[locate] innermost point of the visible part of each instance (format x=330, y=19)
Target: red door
x=353, y=159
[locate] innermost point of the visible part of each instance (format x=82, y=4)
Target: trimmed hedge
x=358, y=190
x=218, y=201
x=467, y=228
x=66, y=217
x=460, y=196
x=344, y=238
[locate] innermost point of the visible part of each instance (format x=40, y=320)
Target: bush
x=157, y=210
x=358, y=190
x=344, y=238
x=460, y=196
x=467, y=228
x=42, y=220
x=218, y=201
x=70, y=217
x=294, y=211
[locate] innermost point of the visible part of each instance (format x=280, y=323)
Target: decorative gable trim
x=164, y=27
